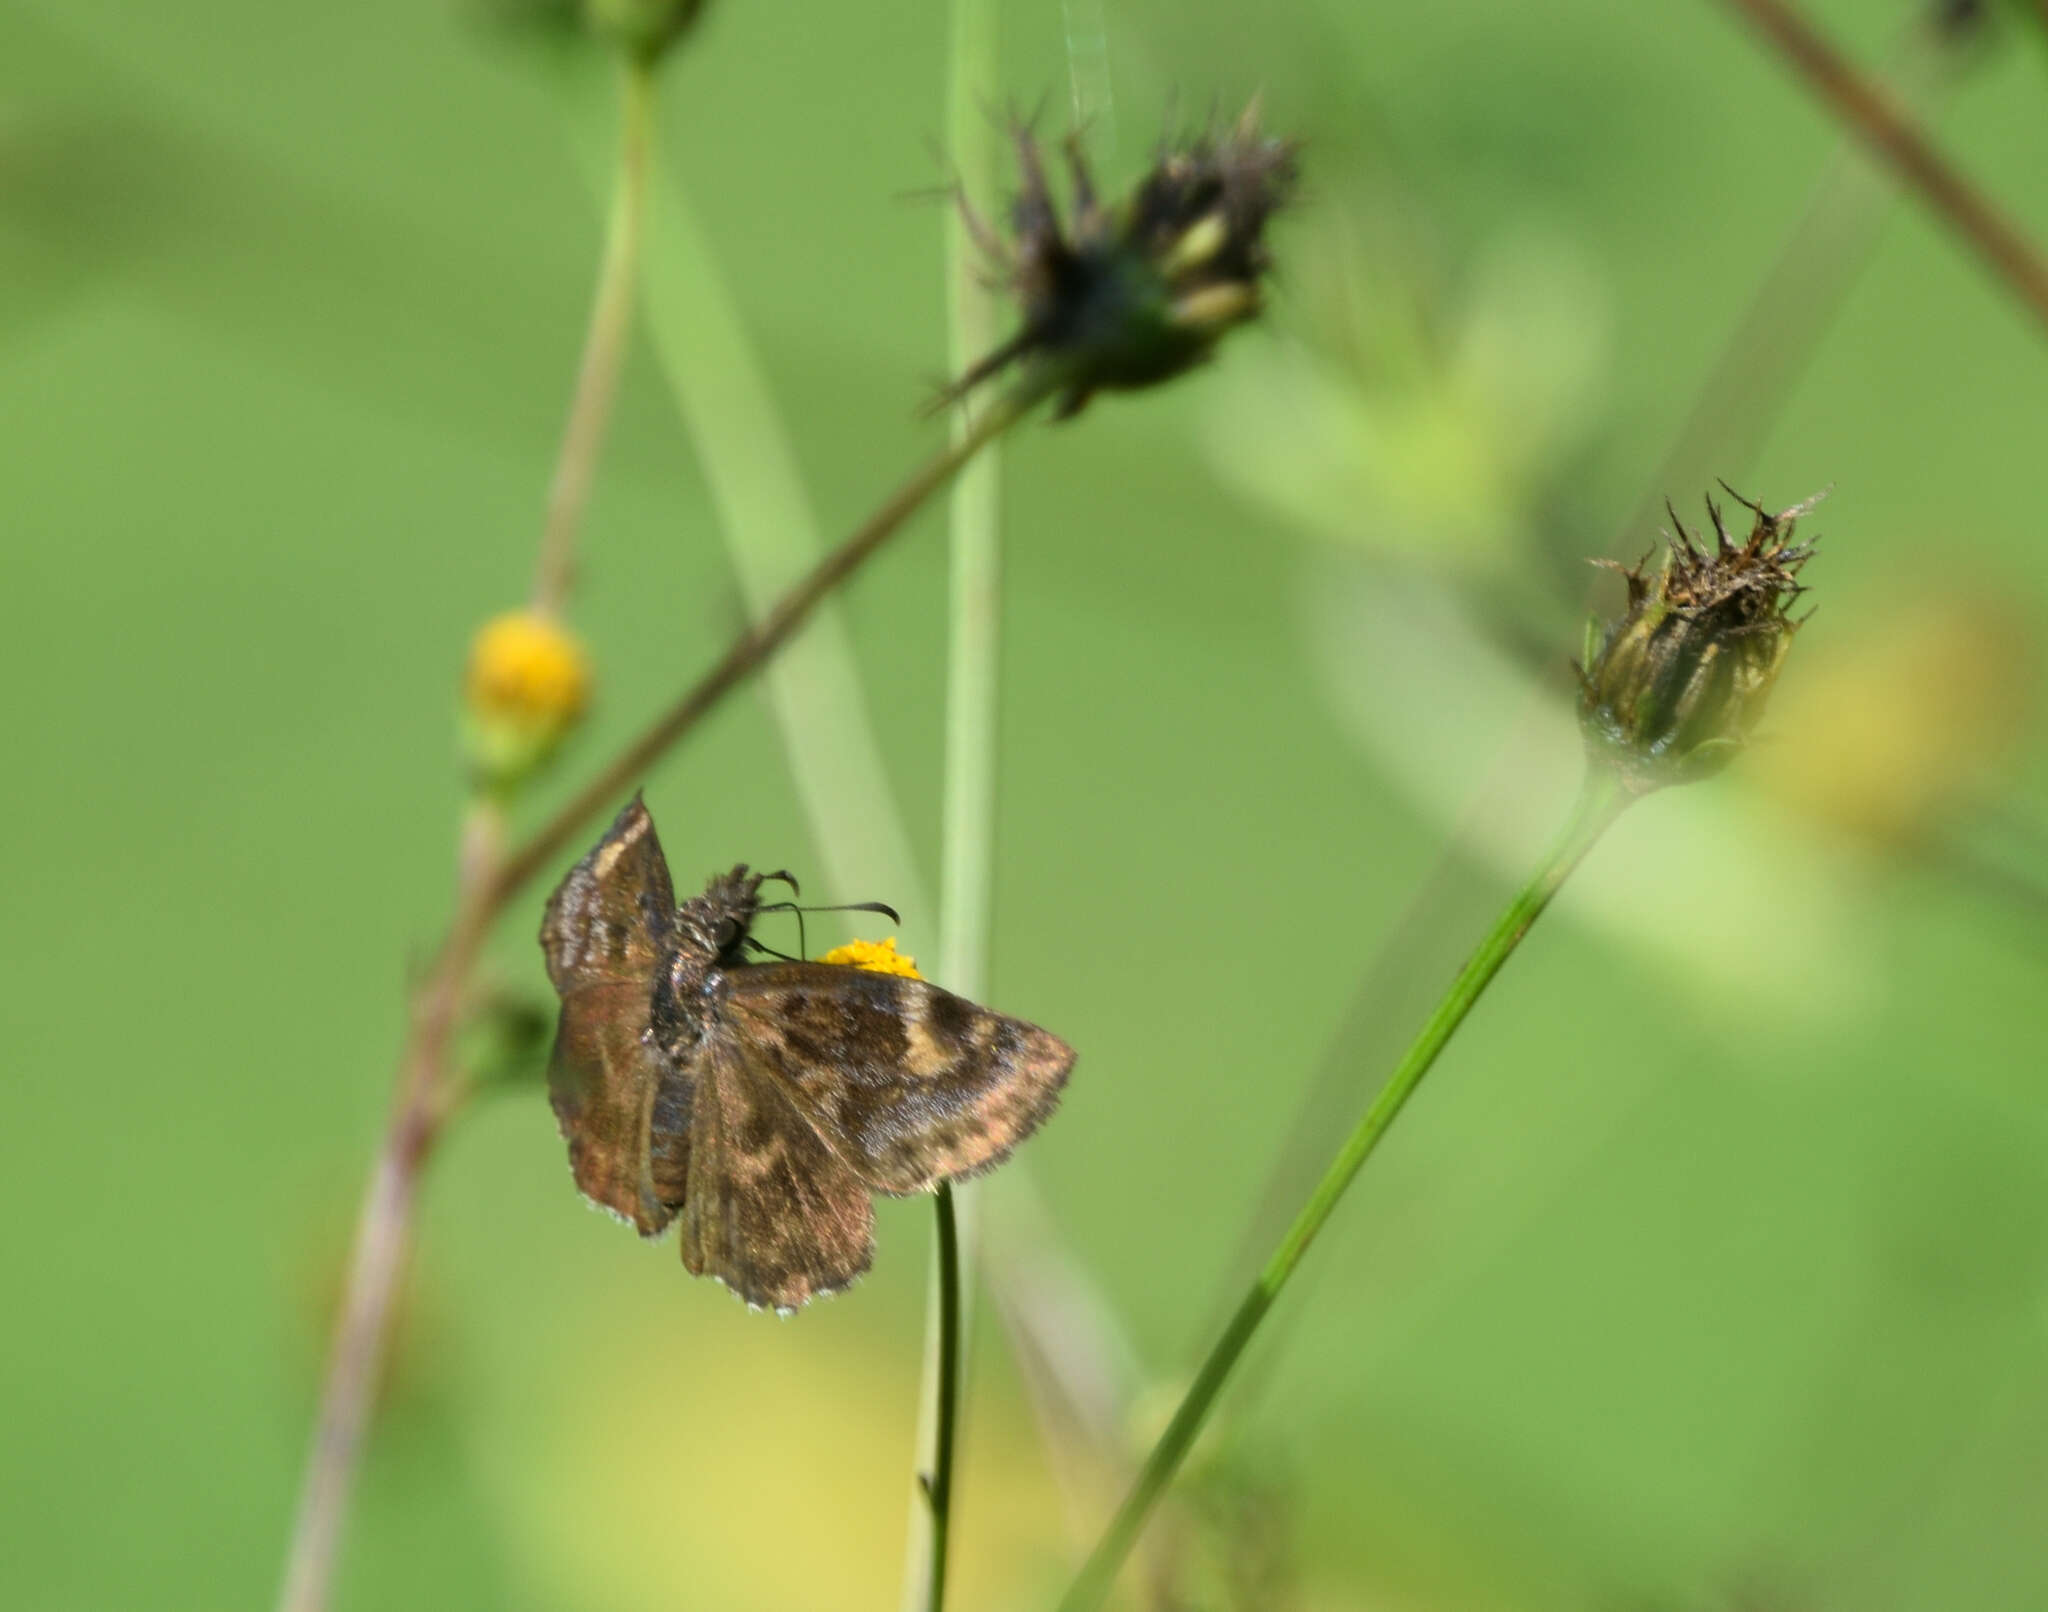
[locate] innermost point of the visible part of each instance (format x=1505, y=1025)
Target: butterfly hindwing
x=771, y=1212
x=908, y=1084
x=624, y=1109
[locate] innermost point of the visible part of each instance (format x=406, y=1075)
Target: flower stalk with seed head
x=1123, y=296
x=1130, y=293
x=1669, y=692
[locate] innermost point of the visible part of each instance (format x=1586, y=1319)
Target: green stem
x=974, y=606
x=698, y=334
x=1600, y=802
x=604, y=345
x=968, y=804
x=938, y=1483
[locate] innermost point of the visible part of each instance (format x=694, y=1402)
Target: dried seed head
x=527, y=685
x=1125, y=295
x=1669, y=692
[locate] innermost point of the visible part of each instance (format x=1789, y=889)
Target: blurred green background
x=1711, y=1270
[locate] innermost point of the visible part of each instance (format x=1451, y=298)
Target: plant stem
x=487, y=879
x=975, y=597
x=1736, y=406
x=1895, y=139
x=604, y=345
x=938, y=1482
x=759, y=641
x=1600, y=802
x=422, y=1099
x=383, y=1239
x=745, y=449
x=968, y=805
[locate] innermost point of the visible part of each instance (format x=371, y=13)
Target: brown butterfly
x=763, y=1102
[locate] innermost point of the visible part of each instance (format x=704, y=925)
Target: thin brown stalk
x=1884, y=126
x=604, y=346
x=383, y=1239
x=756, y=644
x=422, y=1094
x=1735, y=407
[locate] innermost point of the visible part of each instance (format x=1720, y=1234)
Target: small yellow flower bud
x=527, y=685
x=876, y=956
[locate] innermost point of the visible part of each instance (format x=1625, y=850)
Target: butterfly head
x=714, y=926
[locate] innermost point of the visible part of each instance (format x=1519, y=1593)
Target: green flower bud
x=1670, y=691
x=1133, y=293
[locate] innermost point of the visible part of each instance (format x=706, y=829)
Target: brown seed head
x=1126, y=294
x=1669, y=691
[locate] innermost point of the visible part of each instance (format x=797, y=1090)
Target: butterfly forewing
x=620, y=1103
x=908, y=1084
x=771, y=1212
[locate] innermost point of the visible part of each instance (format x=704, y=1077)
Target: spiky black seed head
x=1125, y=294
x=1670, y=690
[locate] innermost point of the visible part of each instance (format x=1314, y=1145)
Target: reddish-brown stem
x=423, y=1096
x=383, y=1239
x=758, y=642
x=1883, y=126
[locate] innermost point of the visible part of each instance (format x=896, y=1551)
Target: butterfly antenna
x=780, y=876
x=881, y=907
x=769, y=951
x=802, y=941
x=803, y=948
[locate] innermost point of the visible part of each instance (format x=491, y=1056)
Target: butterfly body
x=762, y=1104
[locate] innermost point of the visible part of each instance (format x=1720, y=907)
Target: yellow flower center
x=876, y=956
